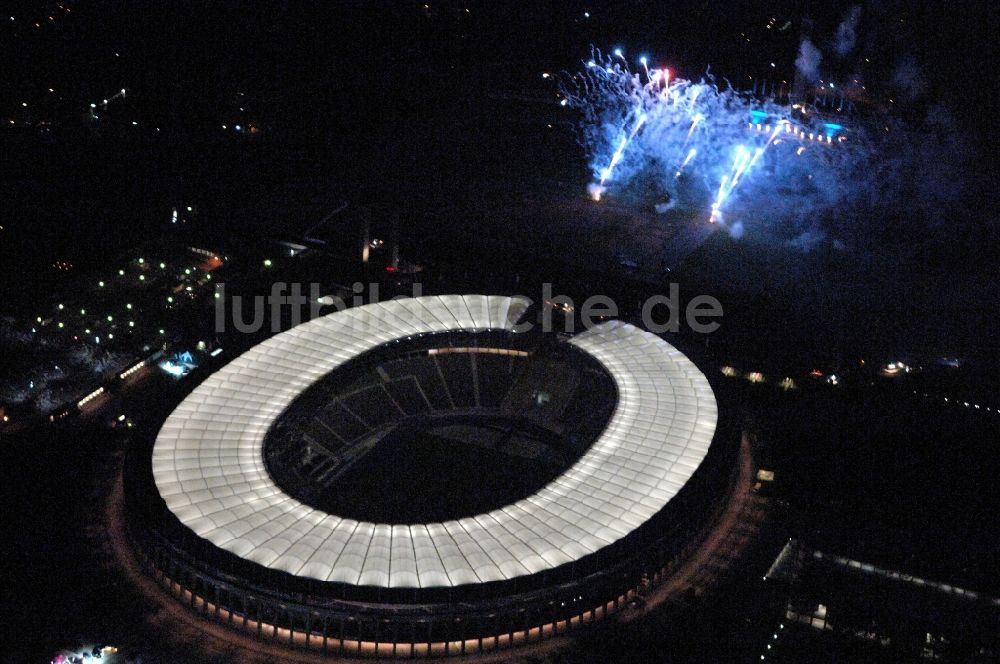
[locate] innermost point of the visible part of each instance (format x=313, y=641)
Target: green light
x=267, y=262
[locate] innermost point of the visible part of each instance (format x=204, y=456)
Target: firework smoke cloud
x=847, y=32
x=779, y=171
x=808, y=61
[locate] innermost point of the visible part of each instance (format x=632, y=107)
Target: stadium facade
x=238, y=507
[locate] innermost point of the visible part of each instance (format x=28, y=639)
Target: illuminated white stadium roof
x=209, y=468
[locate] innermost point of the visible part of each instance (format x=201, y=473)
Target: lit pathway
x=729, y=537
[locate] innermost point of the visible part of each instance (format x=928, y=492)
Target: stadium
x=431, y=476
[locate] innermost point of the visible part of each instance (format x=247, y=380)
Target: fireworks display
x=734, y=154
x=724, y=142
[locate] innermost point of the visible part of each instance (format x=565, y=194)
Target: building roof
x=208, y=460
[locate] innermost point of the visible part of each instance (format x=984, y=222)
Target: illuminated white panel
x=208, y=461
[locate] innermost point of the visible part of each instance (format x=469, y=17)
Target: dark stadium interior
x=406, y=432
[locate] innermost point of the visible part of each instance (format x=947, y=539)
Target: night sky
x=306, y=68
